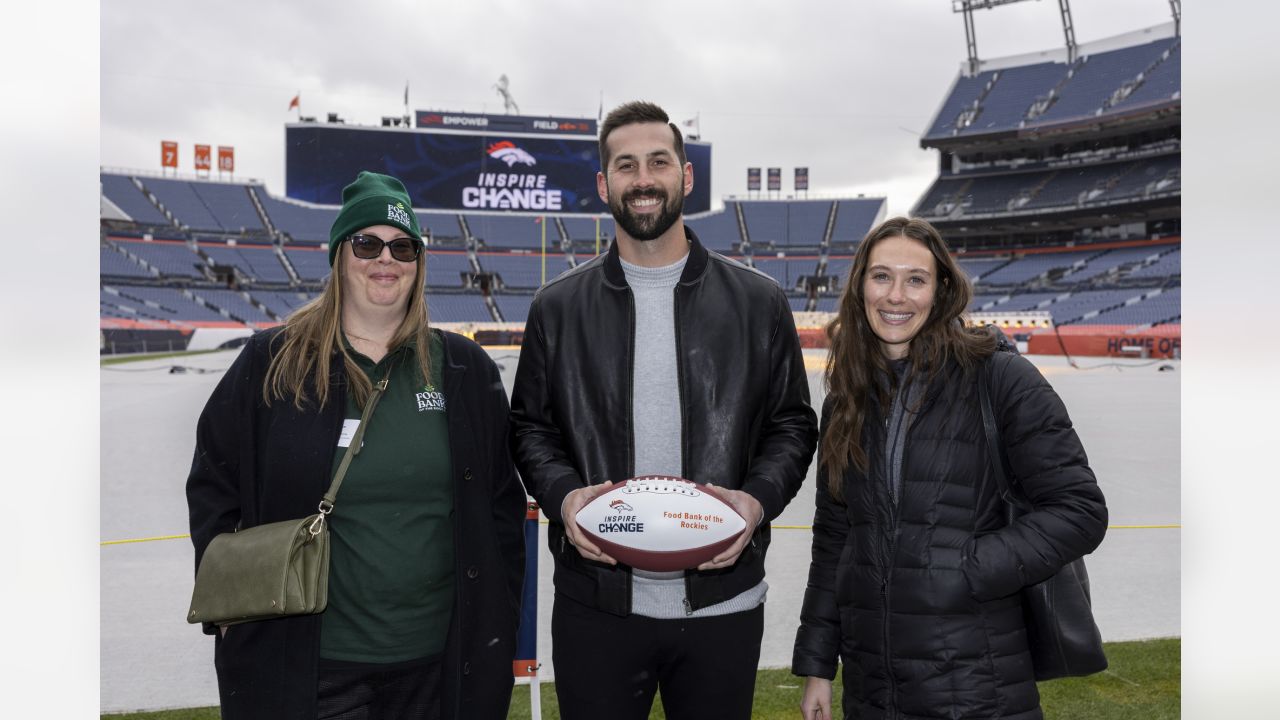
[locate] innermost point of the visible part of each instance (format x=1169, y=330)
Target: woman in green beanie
x=427, y=550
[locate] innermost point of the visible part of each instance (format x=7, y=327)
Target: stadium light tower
x=971, y=41
x=508, y=102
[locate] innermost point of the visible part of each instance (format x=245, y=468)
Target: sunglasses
x=369, y=247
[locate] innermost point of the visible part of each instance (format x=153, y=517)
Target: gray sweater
x=656, y=427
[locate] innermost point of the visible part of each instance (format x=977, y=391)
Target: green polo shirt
x=391, y=558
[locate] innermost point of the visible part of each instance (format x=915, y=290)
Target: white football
x=661, y=523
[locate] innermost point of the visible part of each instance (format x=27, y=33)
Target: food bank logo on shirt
x=396, y=213
x=430, y=399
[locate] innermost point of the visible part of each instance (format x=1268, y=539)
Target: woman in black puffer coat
x=915, y=577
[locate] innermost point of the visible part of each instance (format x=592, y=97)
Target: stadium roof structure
x=1116, y=86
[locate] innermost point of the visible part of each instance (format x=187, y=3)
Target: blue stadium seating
x=121, y=191
x=170, y=304
x=523, y=271
x=457, y=308
x=1032, y=266
x=229, y=205
x=172, y=259
x=282, y=302
x=584, y=228
x=1154, y=309
x=1072, y=308
x=312, y=265
x=980, y=302
x=1063, y=187
x=257, y=261
x=514, y=308
x=180, y=199
x=1109, y=260
x=445, y=269
x=234, y=303
x=786, y=270
x=1155, y=175
x=511, y=231
x=1094, y=78
x=1026, y=301
x=717, y=230
x=1010, y=97
x=827, y=303
x=838, y=267
x=1099, y=75
x=793, y=222
x=807, y=221
x=1169, y=264
x=114, y=264
x=855, y=218
x=1163, y=83
x=962, y=97
x=301, y=223
x=979, y=268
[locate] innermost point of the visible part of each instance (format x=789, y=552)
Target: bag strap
x=993, y=433
x=326, y=503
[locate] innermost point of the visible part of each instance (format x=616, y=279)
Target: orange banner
x=226, y=159
x=1162, y=341
x=203, y=161
x=168, y=154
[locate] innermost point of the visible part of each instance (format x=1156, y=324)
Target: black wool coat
x=921, y=600
x=256, y=464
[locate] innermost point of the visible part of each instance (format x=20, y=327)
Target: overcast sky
x=845, y=88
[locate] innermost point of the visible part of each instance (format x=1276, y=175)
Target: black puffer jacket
x=920, y=600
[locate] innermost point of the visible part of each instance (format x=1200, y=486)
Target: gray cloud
x=843, y=88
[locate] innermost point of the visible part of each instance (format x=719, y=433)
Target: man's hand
x=815, y=703
x=751, y=511
x=573, y=502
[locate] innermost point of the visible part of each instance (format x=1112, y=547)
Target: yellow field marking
x=145, y=539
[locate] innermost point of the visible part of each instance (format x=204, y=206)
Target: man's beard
x=648, y=226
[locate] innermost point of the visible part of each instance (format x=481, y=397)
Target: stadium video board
x=463, y=172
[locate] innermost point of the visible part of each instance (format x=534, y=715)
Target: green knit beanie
x=373, y=199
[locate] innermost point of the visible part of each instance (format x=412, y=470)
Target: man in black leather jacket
x=658, y=357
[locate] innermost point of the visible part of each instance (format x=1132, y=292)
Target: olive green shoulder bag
x=273, y=570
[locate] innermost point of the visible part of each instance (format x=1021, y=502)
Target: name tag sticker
x=349, y=428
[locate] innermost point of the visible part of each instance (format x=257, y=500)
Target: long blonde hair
x=314, y=332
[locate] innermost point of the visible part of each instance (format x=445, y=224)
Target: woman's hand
x=815, y=703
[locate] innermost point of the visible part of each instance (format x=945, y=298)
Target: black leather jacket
x=745, y=414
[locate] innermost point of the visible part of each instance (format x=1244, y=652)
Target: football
x=660, y=523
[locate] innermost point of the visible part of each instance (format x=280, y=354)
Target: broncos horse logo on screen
x=507, y=152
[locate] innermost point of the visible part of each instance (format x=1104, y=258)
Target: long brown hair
x=856, y=357
x=314, y=332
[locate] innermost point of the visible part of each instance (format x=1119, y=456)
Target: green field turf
x=1144, y=681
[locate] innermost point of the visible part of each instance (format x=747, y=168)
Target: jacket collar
x=693, y=269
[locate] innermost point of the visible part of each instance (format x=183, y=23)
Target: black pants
x=356, y=691
x=609, y=667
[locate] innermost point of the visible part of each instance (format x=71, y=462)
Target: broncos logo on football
x=507, y=152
